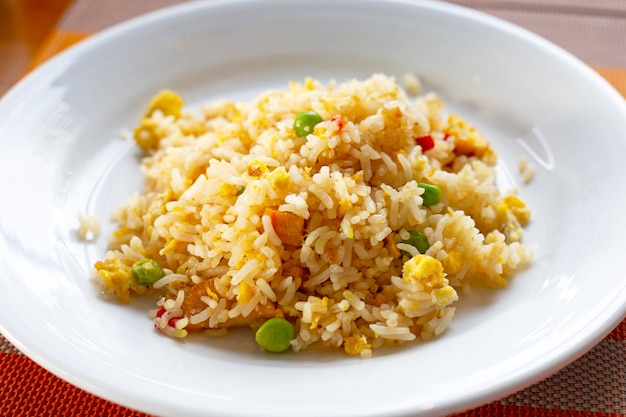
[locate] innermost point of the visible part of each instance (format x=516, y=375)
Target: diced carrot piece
x=288, y=226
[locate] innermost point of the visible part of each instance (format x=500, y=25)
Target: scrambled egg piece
x=453, y=262
x=278, y=178
x=354, y=345
x=146, y=134
x=518, y=208
x=168, y=102
x=511, y=213
x=116, y=276
x=468, y=140
x=173, y=246
x=257, y=168
x=245, y=293
x=424, y=269
x=429, y=272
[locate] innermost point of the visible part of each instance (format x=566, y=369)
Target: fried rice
x=250, y=221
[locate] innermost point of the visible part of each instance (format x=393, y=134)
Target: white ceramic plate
x=60, y=153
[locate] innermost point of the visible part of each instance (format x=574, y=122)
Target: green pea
x=418, y=240
x=275, y=334
x=305, y=122
x=431, y=195
x=147, y=272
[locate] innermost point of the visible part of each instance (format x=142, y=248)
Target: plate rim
x=137, y=23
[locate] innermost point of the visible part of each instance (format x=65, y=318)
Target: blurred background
x=33, y=30
x=24, y=25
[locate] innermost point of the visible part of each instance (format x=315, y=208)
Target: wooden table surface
x=24, y=27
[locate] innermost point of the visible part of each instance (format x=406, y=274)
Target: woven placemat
x=594, y=385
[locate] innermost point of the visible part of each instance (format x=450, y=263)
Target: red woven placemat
x=26, y=389
x=591, y=386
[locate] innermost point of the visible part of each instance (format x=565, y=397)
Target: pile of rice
x=250, y=221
